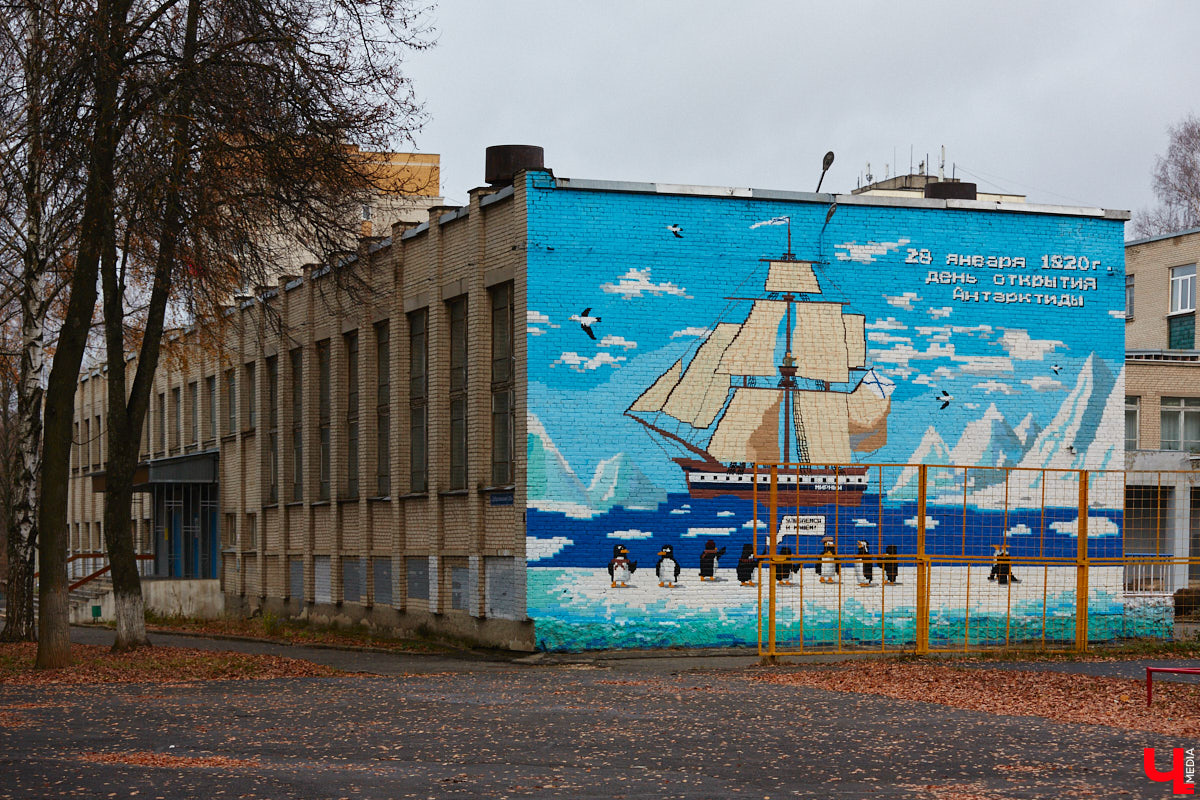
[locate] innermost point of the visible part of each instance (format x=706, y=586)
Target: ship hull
x=811, y=486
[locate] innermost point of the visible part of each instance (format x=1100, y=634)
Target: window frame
x=383, y=408
x=503, y=415
x=1181, y=277
x=1132, y=403
x=459, y=343
x=1183, y=407
x=418, y=400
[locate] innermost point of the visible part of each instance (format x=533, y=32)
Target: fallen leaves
x=95, y=664
x=145, y=759
x=1059, y=696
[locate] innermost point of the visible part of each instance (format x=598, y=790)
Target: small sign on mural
x=810, y=525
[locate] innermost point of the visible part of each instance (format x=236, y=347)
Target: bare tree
x=1176, y=184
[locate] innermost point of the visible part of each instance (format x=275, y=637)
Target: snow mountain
x=618, y=482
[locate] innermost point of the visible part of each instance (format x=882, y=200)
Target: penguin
x=890, y=568
x=621, y=569
x=866, y=570
x=995, y=562
x=667, y=567
x=783, y=572
x=708, y=560
x=1003, y=568
x=828, y=566
x=746, y=565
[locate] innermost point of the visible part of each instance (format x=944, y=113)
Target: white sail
x=753, y=349
x=819, y=342
x=749, y=431
x=856, y=340
x=824, y=421
x=868, y=412
x=701, y=392
x=653, y=399
x=792, y=276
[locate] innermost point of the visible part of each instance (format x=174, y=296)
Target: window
x=350, y=340
x=98, y=450
x=162, y=422
x=1183, y=289
x=251, y=537
x=460, y=588
x=75, y=455
x=418, y=399
x=1181, y=423
x=86, y=444
x=502, y=385
x=210, y=389
x=273, y=429
x=457, y=309
x=323, y=411
x=176, y=418
x=229, y=531
x=297, y=356
x=417, y=574
x=194, y=403
x=230, y=401
x=366, y=212
x=1128, y=297
x=1131, y=423
x=383, y=406
x=251, y=396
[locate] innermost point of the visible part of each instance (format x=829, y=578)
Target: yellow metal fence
x=964, y=559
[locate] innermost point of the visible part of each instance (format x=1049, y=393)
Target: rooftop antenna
x=942, y=165
x=826, y=163
x=870, y=177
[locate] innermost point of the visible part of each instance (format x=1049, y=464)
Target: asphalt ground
x=434, y=726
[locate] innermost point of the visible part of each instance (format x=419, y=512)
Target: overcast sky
x=1064, y=102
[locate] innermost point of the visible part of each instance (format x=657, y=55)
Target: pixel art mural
x=676, y=339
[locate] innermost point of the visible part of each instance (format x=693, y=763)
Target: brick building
x=1162, y=404
x=518, y=390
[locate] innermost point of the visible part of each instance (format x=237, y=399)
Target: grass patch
x=94, y=664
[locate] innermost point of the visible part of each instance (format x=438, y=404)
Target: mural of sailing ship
x=722, y=396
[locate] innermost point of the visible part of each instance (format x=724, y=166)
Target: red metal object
x=1174, y=670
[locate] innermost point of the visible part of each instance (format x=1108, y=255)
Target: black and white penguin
x=1003, y=568
x=995, y=562
x=783, y=572
x=708, y=560
x=667, y=567
x=889, y=564
x=746, y=565
x=621, y=569
x=866, y=570
x=827, y=565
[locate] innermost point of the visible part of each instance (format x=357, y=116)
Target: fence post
x=774, y=535
x=1081, y=567
x=922, y=565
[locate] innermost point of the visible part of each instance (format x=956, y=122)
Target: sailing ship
x=722, y=390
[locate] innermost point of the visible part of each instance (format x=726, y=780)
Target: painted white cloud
x=724, y=513
x=1020, y=529
x=538, y=318
x=883, y=337
x=904, y=301
x=679, y=511
x=903, y=353
x=692, y=533
x=1097, y=527
x=864, y=523
x=866, y=253
x=536, y=549
x=1041, y=383
x=632, y=533
x=583, y=364
x=534, y=331
x=889, y=324
x=750, y=524
x=971, y=406
x=996, y=386
x=930, y=522
x=636, y=282
x=1018, y=344
x=924, y=380
x=1119, y=313
x=616, y=341
x=984, y=365
x=693, y=331
x=940, y=313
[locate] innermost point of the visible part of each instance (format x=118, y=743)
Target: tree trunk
x=54, y=641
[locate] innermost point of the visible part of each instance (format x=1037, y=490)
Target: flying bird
x=944, y=399
x=586, y=321
x=675, y=229
x=1055, y=369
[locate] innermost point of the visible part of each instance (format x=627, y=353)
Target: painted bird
x=944, y=399
x=586, y=321
x=1055, y=369
x=675, y=229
